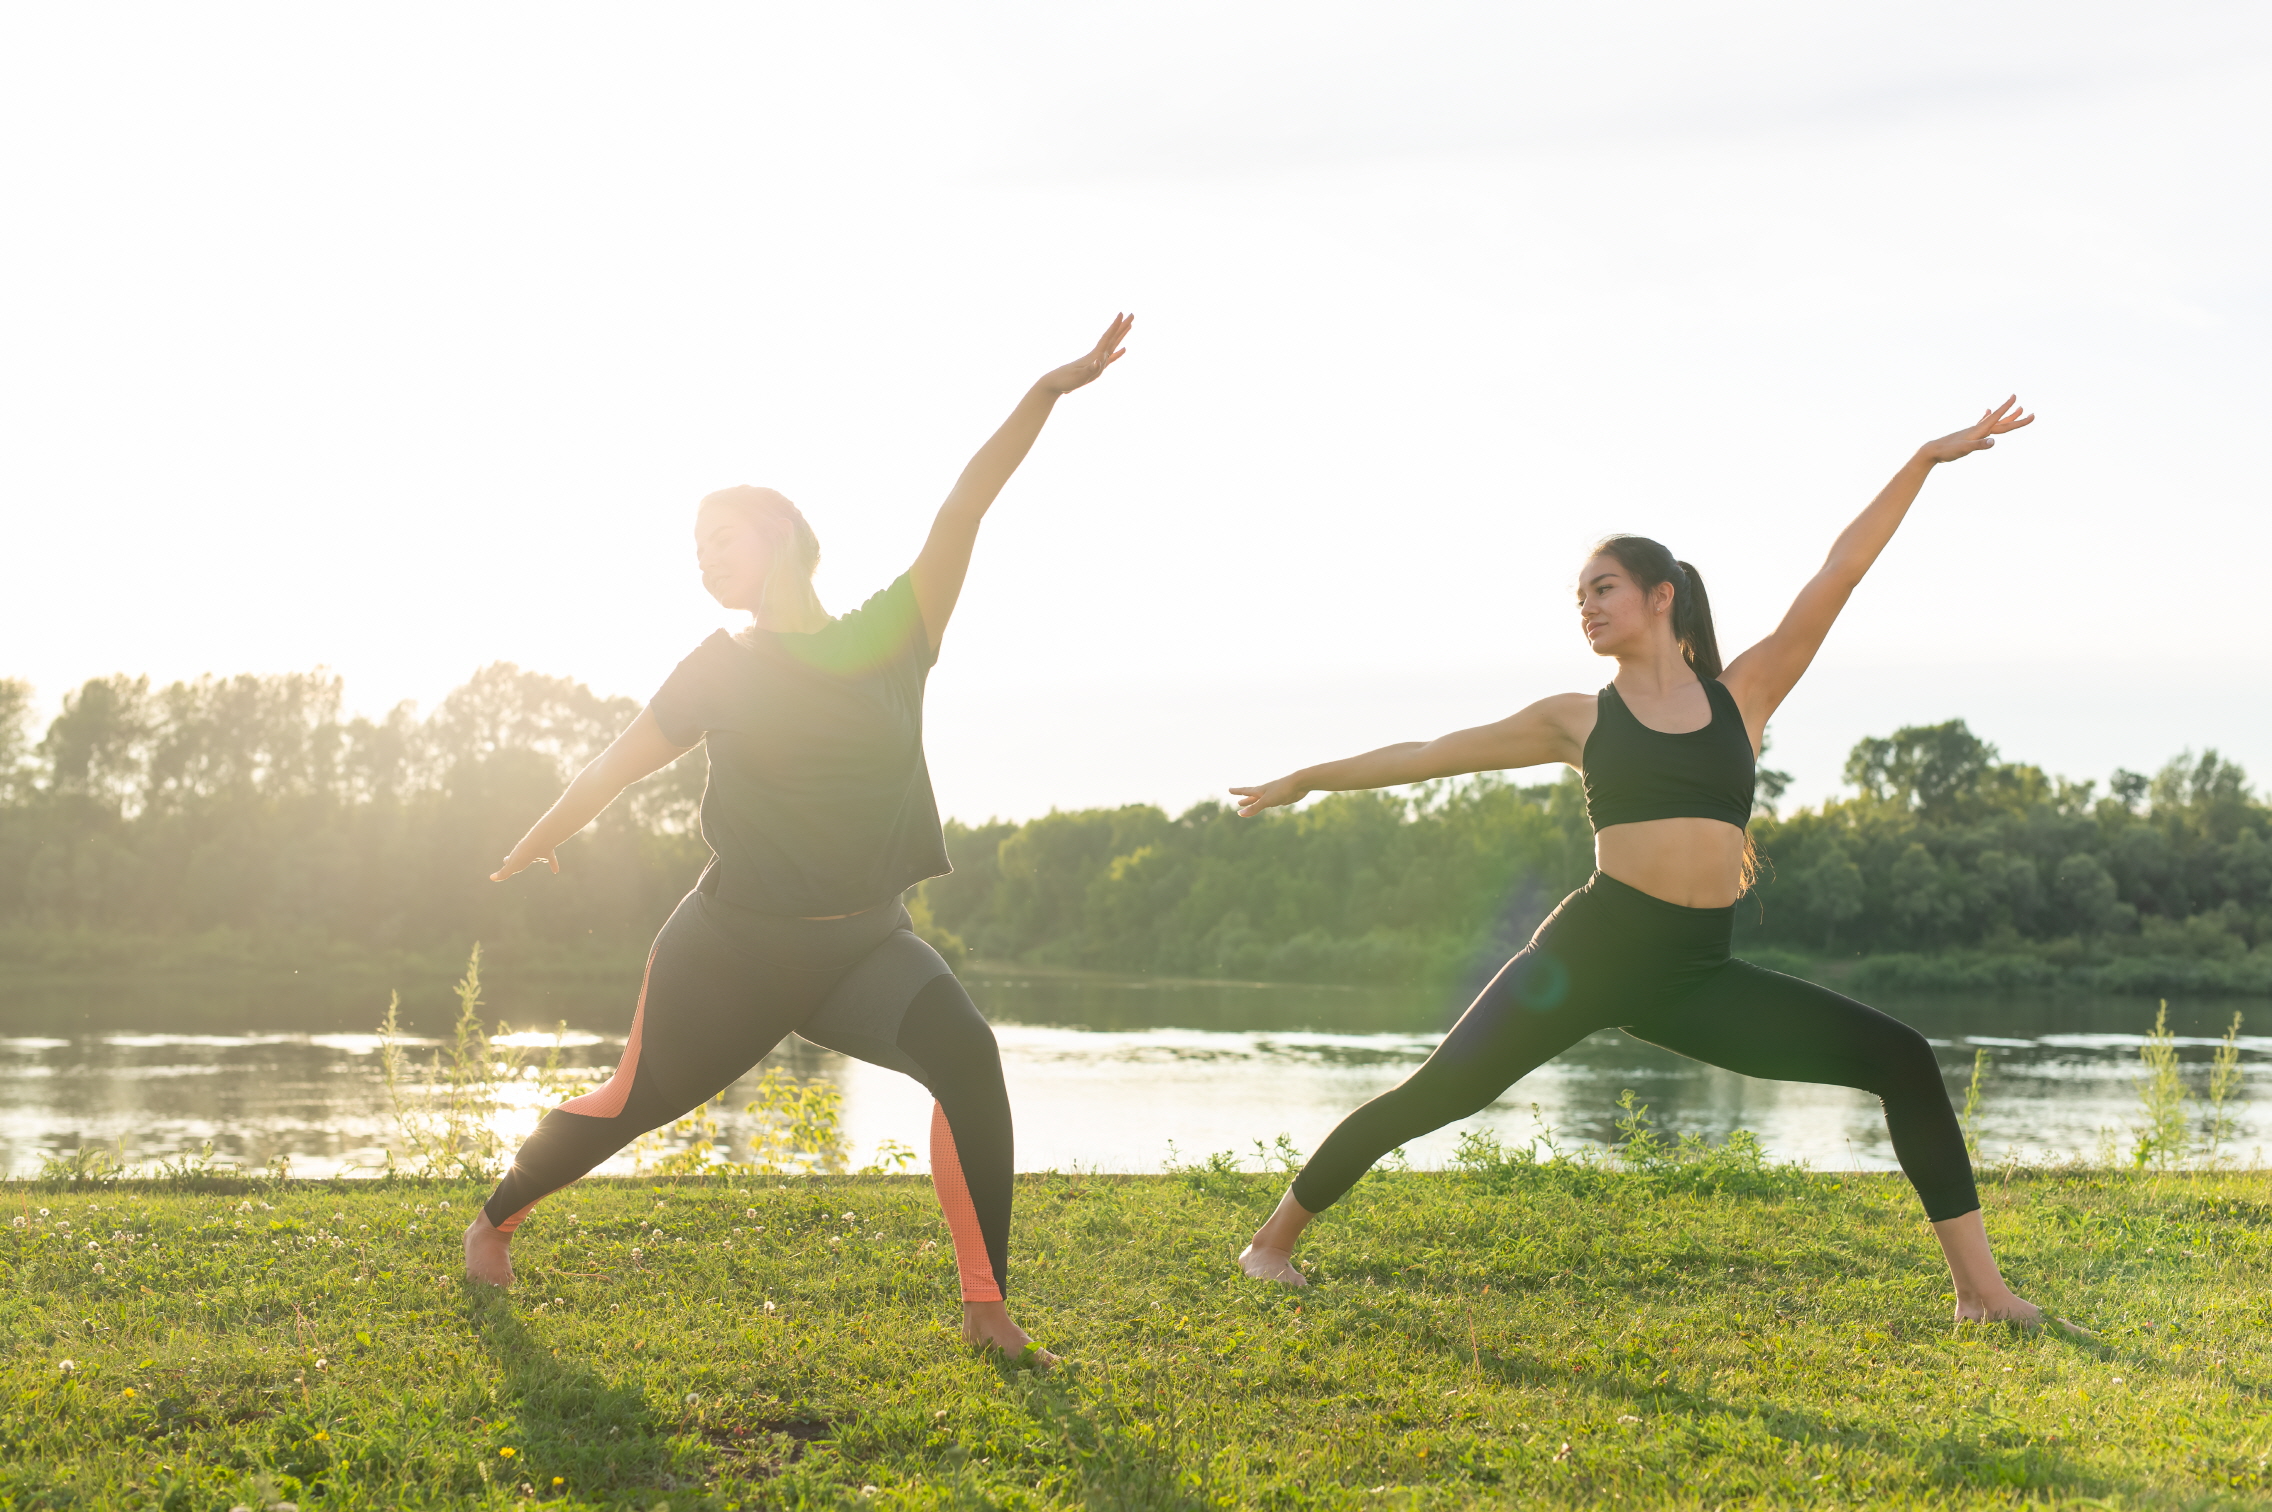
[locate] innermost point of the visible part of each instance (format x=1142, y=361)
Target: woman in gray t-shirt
x=819, y=815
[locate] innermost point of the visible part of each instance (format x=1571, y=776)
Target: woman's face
x=735, y=552
x=1616, y=616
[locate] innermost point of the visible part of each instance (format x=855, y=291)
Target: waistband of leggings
x=786, y=931
x=1625, y=895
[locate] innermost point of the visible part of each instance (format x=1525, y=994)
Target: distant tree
x=1933, y=769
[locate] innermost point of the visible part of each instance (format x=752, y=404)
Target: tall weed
x=1969, y=1119
x=2165, y=1103
x=2224, y=1081
x=448, y=1124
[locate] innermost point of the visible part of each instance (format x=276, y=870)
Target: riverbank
x=531, y=983
x=1712, y=1332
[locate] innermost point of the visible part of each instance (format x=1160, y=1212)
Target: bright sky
x=401, y=340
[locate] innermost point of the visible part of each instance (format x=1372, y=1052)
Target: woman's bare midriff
x=1697, y=863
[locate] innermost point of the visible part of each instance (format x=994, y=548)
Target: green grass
x=1551, y=1335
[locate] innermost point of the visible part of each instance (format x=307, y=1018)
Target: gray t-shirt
x=819, y=801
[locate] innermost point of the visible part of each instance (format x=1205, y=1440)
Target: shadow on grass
x=604, y=1436
x=1137, y=1445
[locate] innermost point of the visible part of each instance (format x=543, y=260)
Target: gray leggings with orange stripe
x=725, y=986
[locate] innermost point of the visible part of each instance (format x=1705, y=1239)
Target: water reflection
x=1104, y=1074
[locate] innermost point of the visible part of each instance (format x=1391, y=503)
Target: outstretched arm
x=1553, y=729
x=939, y=571
x=638, y=751
x=1763, y=676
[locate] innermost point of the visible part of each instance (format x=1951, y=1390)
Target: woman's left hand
x=2007, y=416
x=1108, y=351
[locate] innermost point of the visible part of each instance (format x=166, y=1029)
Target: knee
x=1906, y=1065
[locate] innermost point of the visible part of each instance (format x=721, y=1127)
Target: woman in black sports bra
x=1669, y=752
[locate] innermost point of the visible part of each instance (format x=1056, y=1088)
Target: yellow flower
x=560, y=1480
x=508, y=1453
x=129, y=1391
x=321, y=1434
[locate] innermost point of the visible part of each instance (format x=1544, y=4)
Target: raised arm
x=1763, y=676
x=1553, y=729
x=938, y=573
x=637, y=752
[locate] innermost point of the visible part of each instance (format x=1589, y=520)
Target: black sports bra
x=1634, y=773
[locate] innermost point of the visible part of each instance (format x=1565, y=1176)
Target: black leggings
x=725, y=986
x=1612, y=955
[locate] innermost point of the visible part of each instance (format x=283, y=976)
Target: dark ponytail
x=1650, y=564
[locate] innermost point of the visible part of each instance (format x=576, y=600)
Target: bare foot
x=2008, y=1308
x=987, y=1325
x=488, y=1254
x=1264, y=1264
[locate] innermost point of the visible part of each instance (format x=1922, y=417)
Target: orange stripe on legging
x=977, y=1272
x=607, y=1099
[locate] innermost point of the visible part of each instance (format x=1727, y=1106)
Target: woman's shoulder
x=885, y=630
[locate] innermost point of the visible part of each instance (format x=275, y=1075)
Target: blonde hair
x=796, y=550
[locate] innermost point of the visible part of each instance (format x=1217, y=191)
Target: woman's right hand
x=525, y=855
x=1253, y=800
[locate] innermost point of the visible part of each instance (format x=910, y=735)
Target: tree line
x=250, y=804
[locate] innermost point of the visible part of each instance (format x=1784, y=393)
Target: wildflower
x=322, y=1434
x=445, y=1204
x=43, y=1212
x=66, y=1366
x=98, y=1270
x=635, y=1254
x=769, y=1307
x=750, y=1213
x=692, y=1398
x=559, y=1301
x=18, y=1221
x=91, y=1244
x=321, y=1363
x=508, y=1452
x=560, y=1480
x=129, y=1391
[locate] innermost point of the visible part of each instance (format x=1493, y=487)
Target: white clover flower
x=43, y=1212
x=66, y=1366
x=18, y=1221
x=749, y=1213
x=98, y=1270
x=692, y=1398
x=769, y=1306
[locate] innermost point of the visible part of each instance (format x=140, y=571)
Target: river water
x=1110, y=1075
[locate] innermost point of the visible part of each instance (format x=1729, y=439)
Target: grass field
x=1554, y=1334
